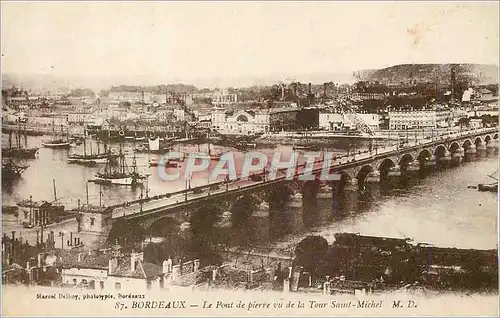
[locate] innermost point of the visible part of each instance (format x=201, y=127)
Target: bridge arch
x=478, y=140
x=467, y=143
x=424, y=154
x=362, y=173
x=310, y=189
x=344, y=176
x=440, y=150
x=487, y=139
x=385, y=166
x=242, y=209
x=405, y=161
x=165, y=226
x=454, y=146
x=495, y=136
x=204, y=218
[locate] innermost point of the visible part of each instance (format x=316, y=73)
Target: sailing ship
x=58, y=142
x=492, y=187
x=19, y=151
x=119, y=174
x=91, y=159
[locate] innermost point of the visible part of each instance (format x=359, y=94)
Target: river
x=438, y=209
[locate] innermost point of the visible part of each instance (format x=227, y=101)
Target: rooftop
x=94, y=260
x=34, y=204
x=142, y=270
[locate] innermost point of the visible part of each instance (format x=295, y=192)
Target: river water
x=438, y=209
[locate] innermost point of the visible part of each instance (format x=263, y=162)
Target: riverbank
x=40, y=130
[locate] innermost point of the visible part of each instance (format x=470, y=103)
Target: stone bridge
x=229, y=202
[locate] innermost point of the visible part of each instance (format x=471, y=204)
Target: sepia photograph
x=249, y=158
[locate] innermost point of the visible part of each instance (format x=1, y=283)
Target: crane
x=351, y=115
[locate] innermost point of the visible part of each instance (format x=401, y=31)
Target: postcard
x=302, y=158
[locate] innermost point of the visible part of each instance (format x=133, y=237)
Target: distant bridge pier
x=457, y=157
x=471, y=150
x=492, y=146
x=372, y=183
x=429, y=163
x=394, y=172
x=373, y=177
x=351, y=185
x=413, y=167
x=491, y=143
x=480, y=146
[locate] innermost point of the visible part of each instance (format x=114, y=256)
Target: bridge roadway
x=172, y=201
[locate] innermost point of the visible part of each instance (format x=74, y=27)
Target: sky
x=163, y=41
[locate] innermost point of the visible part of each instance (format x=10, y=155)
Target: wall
x=96, y=226
x=88, y=274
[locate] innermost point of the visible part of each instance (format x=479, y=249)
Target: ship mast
x=122, y=160
x=18, y=138
x=25, y=137
x=85, y=147
x=55, y=192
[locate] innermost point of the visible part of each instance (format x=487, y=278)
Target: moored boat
x=19, y=150
x=91, y=159
x=491, y=187
x=58, y=143
x=168, y=164
x=120, y=174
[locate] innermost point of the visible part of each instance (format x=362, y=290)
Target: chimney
x=39, y=260
x=324, y=89
x=309, y=91
x=176, y=272
x=134, y=258
x=167, y=266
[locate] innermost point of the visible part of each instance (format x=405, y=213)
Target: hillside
x=479, y=74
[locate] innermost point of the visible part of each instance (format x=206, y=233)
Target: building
x=371, y=120
x=36, y=213
x=110, y=271
x=180, y=114
x=284, y=118
x=420, y=118
x=475, y=123
x=339, y=122
x=80, y=118
x=137, y=97
x=484, y=94
x=221, y=97
x=331, y=121
x=243, y=122
x=48, y=120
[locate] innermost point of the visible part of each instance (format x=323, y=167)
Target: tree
x=311, y=253
x=464, y=121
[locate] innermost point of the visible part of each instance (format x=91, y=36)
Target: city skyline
x=152, y=43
